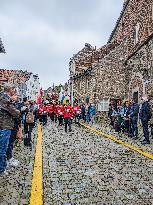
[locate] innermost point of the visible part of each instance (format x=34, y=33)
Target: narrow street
x=78, y=168
x=82, y=168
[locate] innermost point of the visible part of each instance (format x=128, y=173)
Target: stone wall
x=134, y=12
x=106, y=79
x=124, y=66
x=140, y=71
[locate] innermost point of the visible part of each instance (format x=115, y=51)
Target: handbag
x=19, y=134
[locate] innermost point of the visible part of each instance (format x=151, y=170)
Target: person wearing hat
x=145, y=116
x=8, y=114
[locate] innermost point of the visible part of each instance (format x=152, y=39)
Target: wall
x=140, y=71
x=135, y=11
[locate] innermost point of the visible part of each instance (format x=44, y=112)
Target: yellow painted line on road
x=146, y=154
x=37, y=184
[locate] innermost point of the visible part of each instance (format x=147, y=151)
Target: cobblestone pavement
x=104, y=127
x=15, y=188
x=83, y=168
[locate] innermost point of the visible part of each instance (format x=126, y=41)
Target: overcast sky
x=42, y=35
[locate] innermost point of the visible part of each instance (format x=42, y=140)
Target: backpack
x=30, y=118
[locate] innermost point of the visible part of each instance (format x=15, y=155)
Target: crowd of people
x=18, y=118
x=65, y=114
x=124, y=118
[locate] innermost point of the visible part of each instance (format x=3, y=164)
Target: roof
x=2, y=49
x=118, y=21
x=3, y=79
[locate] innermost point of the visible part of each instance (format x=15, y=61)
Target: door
x=136, y=96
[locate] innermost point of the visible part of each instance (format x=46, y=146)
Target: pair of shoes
x=145, y=142
x=115, y=132
x=135, y=137
x=13, y=162
x=4, y=174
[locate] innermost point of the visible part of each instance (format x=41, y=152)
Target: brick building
x=123, y=68
x=27, y=83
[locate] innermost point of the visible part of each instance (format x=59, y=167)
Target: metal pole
x=72, y=92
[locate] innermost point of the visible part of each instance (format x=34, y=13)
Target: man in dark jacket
x=145, y=116
x=134, y=111
x=8, y=113
x=83, y=112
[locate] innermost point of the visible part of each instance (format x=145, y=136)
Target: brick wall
x=106, y=79
x=140, y=71
x=134, y=12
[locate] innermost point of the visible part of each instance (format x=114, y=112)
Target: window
x=94, y=82
x=136, y=33
x=87, y=83
x=103, y=105
x=80, y=85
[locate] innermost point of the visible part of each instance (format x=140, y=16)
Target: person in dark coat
x=145, y=116
x=8, y=114
x=83, y=112
x=133, y=116
x=11, y=161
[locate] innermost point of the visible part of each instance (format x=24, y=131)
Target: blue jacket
x=145, y=112
x=125, y=111
x=91, y=111
x=134, y=110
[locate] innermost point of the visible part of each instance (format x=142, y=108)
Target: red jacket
x=50, y=108
x=76, y=109
x=68, y=111
x=42, y=109
x=59, y=110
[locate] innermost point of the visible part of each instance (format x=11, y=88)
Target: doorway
x=136, y=96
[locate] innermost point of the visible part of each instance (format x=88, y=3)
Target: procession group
x=66, y=114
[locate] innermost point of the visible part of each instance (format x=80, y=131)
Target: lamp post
x=72, y=72
x=71, y=77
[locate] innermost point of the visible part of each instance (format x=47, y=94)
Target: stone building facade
x=27, y=83
x=123, y=68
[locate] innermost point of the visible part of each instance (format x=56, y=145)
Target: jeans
x=127, y=126
x=67, y=123
x=4, y=141
x=60, y=120
x=145, y=130
x=77, y=119
x=152, y=131
x=27, y=134
x=52, y=117
x=44, y=119
x=134, y=127
x=10, y=145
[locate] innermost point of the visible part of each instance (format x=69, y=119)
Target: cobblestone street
x=15, y=188
x=83, y=168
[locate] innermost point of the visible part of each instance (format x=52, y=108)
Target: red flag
x=41, y=92
x=39, y=100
